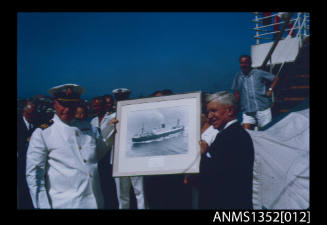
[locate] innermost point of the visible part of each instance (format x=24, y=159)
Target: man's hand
x=269, y=93
x=203, y=146
x=113, y=121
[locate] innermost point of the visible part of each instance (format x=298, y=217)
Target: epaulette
x=46, y=125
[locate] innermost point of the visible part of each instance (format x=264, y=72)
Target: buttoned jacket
x=226, y=176
x=62, y=170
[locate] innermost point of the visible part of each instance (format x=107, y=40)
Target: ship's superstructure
x=282, y=48
x=156, y=133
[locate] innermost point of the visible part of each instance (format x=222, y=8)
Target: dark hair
x=163, y=92
x=203, y=102
x=108, y=96
x=101, y=98
x=28, y=101
x=167, y=92
x=82, y=105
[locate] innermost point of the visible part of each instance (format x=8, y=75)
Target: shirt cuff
x=209, y=135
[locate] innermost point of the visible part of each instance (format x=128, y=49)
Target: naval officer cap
x=121, y=93
x=67, y=92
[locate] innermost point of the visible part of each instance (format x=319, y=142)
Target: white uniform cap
x=120, y=91
x=76, y=89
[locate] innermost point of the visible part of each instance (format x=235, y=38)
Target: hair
x=163, y=92
x=245, y=56
x=83, y=106
x=203, y=102
x=167, y=92
x=224, y=97
x=27, y=102
x=108, y=96
x=101, y=98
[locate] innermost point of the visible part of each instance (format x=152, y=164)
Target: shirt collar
x=57, y=118
x=249, y=74
x=26, y=122
x=230, y=123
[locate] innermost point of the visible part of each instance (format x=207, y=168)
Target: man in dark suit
x=226, y=169
x=25, y=127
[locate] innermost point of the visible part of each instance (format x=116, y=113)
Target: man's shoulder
x=110, y=114
x=235, y=131
x=238, y=74
x=108, y=117
x=259, y=71
x=20, y=120
x=94, y=121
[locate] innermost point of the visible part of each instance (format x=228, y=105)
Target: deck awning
x=286, y=51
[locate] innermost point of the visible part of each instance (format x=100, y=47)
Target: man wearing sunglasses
x=62, y=158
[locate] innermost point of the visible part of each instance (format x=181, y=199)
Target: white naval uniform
x=106, y=129
x=61, y=166
x=123, y=184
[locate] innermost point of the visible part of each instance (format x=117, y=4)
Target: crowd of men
x=66, y=161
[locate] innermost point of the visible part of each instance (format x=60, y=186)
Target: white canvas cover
x=281, y=165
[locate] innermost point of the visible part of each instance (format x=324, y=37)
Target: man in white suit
x=124, y=184
x=62, y=157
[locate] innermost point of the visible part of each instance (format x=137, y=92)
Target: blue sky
x=145, y=52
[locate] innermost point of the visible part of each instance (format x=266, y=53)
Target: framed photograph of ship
x=158, y=135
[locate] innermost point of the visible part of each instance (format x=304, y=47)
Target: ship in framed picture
x=158, y=135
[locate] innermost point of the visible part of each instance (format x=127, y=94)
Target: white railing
x=266, y=32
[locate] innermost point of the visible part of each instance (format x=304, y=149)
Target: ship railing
x=267, y=32
x=300, y=25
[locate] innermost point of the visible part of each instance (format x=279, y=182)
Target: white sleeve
x=108, y=131
x=36, y=160
x=209, y=135
x=108, y=135
x=101, y=147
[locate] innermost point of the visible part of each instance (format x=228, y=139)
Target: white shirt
x=209, y=135
x=107, y=130
x=61, y=166
x=230, y=123
x=28, y=124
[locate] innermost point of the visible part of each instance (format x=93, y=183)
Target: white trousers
x=123, y=185
x=261, y=118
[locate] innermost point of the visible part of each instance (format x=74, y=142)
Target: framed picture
x=158, y=135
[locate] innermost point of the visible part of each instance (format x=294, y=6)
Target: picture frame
x=158, y=135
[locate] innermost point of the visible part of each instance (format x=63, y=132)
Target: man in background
x=109, y=103
x=124, y=184
x=250, y=88
x=101, y=121
x=167, y=191
x=25, y=126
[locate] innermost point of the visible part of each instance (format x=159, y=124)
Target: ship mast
x=142, y=130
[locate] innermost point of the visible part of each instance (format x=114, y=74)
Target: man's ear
x=231, y=110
